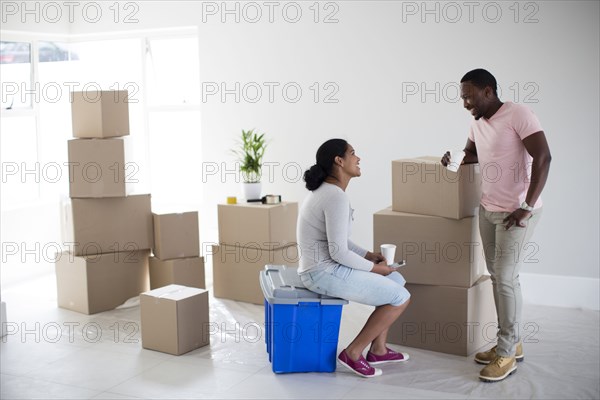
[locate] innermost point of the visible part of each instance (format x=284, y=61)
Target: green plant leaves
x=250, y=151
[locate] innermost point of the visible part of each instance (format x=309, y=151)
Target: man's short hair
x=481, y=79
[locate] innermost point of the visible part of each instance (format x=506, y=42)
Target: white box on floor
x=447, y=319
x=175, y=319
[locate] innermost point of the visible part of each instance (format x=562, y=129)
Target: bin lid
x=282, y=285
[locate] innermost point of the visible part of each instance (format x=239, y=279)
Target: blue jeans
x=363, y=287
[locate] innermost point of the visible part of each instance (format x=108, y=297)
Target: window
x=173, y=71
x=161, y=75
x=55, y=51
x=15, y=74
x=20, y=169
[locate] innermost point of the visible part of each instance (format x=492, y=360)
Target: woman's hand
x=375, y=258
x=382, y=268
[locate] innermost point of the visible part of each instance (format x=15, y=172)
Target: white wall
x=36, y=16
x=372, y=53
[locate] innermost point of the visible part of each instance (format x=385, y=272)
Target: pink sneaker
x=390, y=357
x=359, y=367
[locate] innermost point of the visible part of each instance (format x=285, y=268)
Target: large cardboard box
x=236, y=270
x=447, y=319
x=424, y=186
x=176, y=235
x=268, y=226
x=100, y=114
x=97, y=168
x=437, y=250
x=175, y=319
x=100, y=282
x=96, y=226
x=180, y=271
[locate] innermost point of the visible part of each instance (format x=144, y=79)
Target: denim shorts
x=363, y=287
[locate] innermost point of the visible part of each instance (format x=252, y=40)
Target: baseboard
x=561, y=291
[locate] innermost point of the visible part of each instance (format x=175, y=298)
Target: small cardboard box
x=97, y=168
x=176, y=235
x=424, y=186
x=447, y=319
x=437, y=250
x=180, y=271
x=175, y=319
x=100, y=282
x=236, y=270
x=104, y=225
x=100, y=114
x=268, y=226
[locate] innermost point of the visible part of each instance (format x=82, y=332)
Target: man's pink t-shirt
x=505, y=163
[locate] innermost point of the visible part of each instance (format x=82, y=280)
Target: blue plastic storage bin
x=301, y=327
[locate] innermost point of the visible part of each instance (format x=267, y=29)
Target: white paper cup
x=389, y=252
x=456, y=158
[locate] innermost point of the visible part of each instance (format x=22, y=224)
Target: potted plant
x=250, y=150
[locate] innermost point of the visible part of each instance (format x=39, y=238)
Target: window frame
x=34, y=111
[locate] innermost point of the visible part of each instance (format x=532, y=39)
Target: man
x=508, y=142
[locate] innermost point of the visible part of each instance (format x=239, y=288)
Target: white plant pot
x=252, y=190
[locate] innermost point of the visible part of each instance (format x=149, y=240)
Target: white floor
x=102, y=358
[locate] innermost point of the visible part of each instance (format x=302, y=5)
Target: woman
x=331, y=264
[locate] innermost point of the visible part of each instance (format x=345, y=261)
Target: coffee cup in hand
x=389, y=252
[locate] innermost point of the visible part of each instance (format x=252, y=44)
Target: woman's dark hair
x=481, y=78
x=326, y=155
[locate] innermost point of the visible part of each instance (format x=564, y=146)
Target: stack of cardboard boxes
x=110, y=233
x=433, y=222
x=251, y=236
x=107, y=231
x=176, y=251
x=175, y=314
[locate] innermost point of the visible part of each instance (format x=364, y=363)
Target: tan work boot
x=488, y=356
x=498, y=369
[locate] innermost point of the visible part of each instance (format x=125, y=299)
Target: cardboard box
x=175, y=319
x=176, y=235
x=180, y=271
x=96, y=226
x=236, y=270
x=424, y=186
x=447, y=319
x=100, y=114
x=270, y=226
x=437, y=250
x=97, y=168
x=101, y=282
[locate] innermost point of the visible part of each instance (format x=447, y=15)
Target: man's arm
x=537, y=146
x=470, y=153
